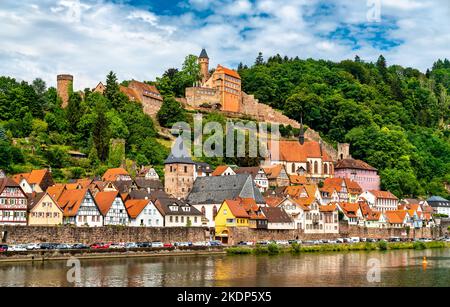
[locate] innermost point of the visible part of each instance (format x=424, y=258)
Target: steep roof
x=203, y=54
x=328, y=208
x=105, y=200
x=36, y=176
x=354, y=164
x=144, y=87
x=112, y=174
x=219, y=170
x=293, y=151
x=251, y=170
x=135, y=206
x=297, y=179
x=236, y=209
x=131, y=93
x=396, y=216
x=273, y=201
x=272, y=172
x=438, y=201
x=70, y=201
x=8, y=182
x=215, y=189
x=179, y=154
x=153, y=184
x=276, y=215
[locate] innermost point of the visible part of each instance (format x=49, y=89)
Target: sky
x=140, y=39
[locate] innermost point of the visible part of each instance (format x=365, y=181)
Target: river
x=396, y=268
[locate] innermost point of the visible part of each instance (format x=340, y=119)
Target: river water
x=389, y=268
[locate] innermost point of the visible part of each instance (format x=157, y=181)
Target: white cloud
x=92, y=37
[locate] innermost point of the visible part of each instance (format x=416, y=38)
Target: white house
x=143, y=213
x=259, y=176
x=277, y=218
x=178, y=213
x=440, y=205
x=112, y=208
x=80, y=208
x=296, y=210
x=223, y=170
x=380, y=200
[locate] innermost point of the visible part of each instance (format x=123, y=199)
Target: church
x=303, y=158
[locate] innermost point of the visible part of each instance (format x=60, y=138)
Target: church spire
x=302, y=131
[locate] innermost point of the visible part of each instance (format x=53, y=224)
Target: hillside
x=395, y=118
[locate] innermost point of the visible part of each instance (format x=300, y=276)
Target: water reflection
x=398, y=268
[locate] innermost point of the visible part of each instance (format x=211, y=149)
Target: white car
x=317, y=242
x=182, y=244
x=199, y=244
x=116, y=246
x=33, y=246
x=333, y=242
x=17, y=248
x=157, y=244
x=282, y=242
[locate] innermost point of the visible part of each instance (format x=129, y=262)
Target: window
x=325, y=168
x=185, y=169
x=316, y=167
x=293, y=168
x=225, y=212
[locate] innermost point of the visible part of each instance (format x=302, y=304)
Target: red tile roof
x=383, y=194
x=219, y=170
x=353, y=164
x=70, y=201
x=293, y=151
x=113, y=173
x=227, y=71
x=135, y=206
x=105, y=200
x=236, y=209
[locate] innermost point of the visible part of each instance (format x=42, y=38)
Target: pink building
x=361, y=172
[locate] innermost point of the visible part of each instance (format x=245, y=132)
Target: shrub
x=419, y=245
x=382, y=245
x=273, y=248
x=260, y=249
x=238, y=250
x=295, y=248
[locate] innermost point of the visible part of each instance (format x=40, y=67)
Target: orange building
x=225, y=82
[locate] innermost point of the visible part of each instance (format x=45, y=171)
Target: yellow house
x=44, y=211
x=231, y=214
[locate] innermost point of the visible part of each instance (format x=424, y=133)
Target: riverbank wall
x=67, y=234
x=247, y=234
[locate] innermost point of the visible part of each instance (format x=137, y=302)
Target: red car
x=3, y=248
x=168, y=245
x=99, y=246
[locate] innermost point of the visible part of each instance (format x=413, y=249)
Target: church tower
x=203, y=60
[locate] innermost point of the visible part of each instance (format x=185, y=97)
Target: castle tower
x=64, y=84
x=203, y=60
x=179, y=170
x=343, y=151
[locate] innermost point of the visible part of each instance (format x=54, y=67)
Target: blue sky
x=140, y=39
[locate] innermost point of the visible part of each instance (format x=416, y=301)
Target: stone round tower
x=64, y=84
x=203, y=60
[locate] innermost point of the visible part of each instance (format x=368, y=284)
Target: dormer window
x=174, y=208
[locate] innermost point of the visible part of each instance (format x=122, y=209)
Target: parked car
x=131, y=245
x=168, y=245
x=17, y=248
x=332, y=241
x=446, y=240
x=49, y=245
x=340, y=240
x=144, y=244
x=242, y=243
x=426, y=240
x=363, y=240
x=182, y=244
x=354, y=240
x=394, y=239
x=372, y=240
x=317, y=242
x=157, y=244
x=3, y=248
x=116, y=246
x=282, y=242
x=324, y=241
x=62, y=246
x=80, y=246
x=99, y=246
x=214, y=243
x=202, y=243
x=262, y=242
x=33, y=246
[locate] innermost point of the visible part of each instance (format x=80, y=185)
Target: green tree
x=100, y=132
x=171, y=112
x=112, y=86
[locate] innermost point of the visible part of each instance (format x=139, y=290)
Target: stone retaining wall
x=59, y=234
x=247, y=234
